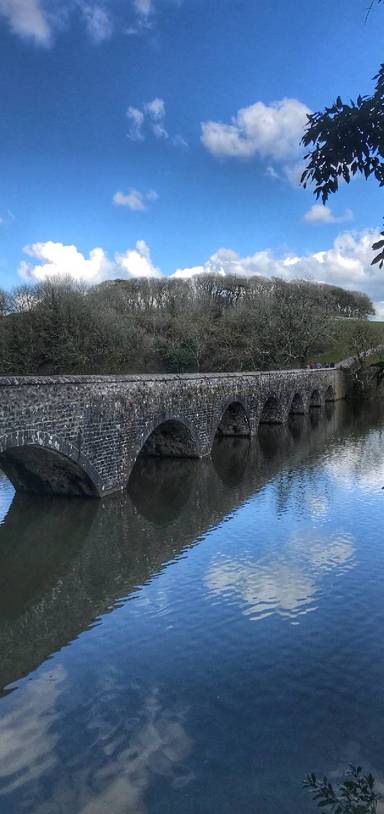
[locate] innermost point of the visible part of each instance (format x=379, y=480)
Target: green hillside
x=341, y=345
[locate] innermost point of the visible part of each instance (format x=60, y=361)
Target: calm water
x=199, y=644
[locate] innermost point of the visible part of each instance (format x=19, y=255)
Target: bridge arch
x=47, y=465
x=330, y=394
x=297, y=405
x=234, y=420
x=271, y=411
x=169, y=437
x=315, y=399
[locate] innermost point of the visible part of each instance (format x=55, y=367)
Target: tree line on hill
x=207, y=323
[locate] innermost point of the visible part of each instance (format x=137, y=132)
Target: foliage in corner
x=347, y=139
x=357, y=795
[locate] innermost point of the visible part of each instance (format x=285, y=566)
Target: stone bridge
x=82, y=435
x=53, y=590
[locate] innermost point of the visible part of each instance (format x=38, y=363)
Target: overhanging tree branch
x=347, y=139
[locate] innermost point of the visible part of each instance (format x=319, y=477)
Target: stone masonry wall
x=99, y=424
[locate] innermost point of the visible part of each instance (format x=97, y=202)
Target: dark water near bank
x=199, y=644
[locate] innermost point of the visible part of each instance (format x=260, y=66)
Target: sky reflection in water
x=200, y=643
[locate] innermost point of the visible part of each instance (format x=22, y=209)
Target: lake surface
x=199, y=644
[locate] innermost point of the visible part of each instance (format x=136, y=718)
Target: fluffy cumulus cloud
x=134, y=199
x=269, y=131
x=323, y=214
x=137, y=262
x=227, y=261
x=59, y=260
x=39, y=20
x=346, y=263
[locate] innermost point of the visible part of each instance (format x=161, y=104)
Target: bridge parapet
x=83, y=434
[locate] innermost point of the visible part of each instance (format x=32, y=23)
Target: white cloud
x=133, y=754
x=293, y=172
x=290, y=171
x=155, y=109
x=28, y=735
x=134, y=199
x=144, y=14
x=269, y=131
x=39, y=20
x=159, y=131
x=143, y=7
x=149, y=118
x=136, y=117
x=59, y=260
x=98, y=23
x=323, y=214
x=285, y=585
x=27, y=19
x=227, y=261
x=271, y=172
x=346, y=263
x=137, y=262
x=179, y=141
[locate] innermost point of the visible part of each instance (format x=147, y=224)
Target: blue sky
x=148, y=137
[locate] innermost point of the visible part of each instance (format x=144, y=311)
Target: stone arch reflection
x=314, y=417
x=38, y=540
x=160, y=487
x=297, y=425
x=230, y=457
x=60, y=571
x=271, y=439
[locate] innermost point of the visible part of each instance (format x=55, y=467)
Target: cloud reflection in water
x=120, y=763
x=285, y=584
